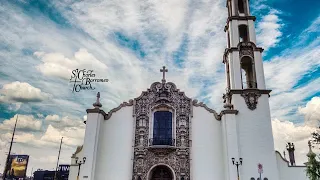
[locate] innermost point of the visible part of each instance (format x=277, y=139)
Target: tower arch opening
x=243, y=33
x=241, y=7
x=248, y=73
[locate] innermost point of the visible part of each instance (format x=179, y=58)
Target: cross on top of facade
x=163, y=70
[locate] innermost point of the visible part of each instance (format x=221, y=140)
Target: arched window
x=247, y=73
x=252, y=178
x=162, y=128
x=243, y=33
x=241, y=6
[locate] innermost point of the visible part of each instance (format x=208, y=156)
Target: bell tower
x=246, y=120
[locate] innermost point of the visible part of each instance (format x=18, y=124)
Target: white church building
x=165, y=135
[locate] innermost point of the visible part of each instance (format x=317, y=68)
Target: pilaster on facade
x=95, y=118
x=230, y=142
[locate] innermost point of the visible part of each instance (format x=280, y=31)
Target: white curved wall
x=114, y=158
x=207, y=150
x=289, y=173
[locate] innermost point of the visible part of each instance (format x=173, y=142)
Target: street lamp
x=79, y=164
x=237, y=164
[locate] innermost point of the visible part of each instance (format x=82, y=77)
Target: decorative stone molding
x=162, y=94
x=96, y=110
x=240, y=91
x=244, y=18
x=242, y=52
x=161, y=150
x=250, y=96
x=201, y=104
x=227, y=99
x=223, y=112
x=246, y=49
x=124, y=104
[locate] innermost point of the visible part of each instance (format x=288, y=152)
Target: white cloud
x=25, y=122
x=282, y=103
x=159, y=27
x=284, y=75
x=21, y=92
x=311, y=112
x=56, y=64
x=269, y=30
x=64, y=122
x=71, y=129
x=314, y=27
x=54, y=118
x=285, y=131
x=72, y=136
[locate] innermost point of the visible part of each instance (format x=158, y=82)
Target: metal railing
x=161, y=141
x=249, y=85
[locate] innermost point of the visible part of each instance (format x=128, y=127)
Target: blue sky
x=41, y=42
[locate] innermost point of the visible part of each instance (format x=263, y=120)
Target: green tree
x=313, y=165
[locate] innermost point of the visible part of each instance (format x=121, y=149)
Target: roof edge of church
x=124, y=104
x=285, y=160
x=196, y=103
x=154, y=84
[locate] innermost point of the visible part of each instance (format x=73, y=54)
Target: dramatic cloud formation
x=314, y=26
x=312, y=112
x=25, y=123
x=286, y=131
x=55, y=64
x=269, y=30
x=128, y=42
x=72, y=136
x=64, y=121
x=21, y=92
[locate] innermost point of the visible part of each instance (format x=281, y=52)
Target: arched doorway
x=161, y=172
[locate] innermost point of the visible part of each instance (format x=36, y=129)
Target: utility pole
x=55, y=173
x=8, y=157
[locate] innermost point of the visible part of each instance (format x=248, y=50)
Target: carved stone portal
x=145, y=157
x=251, y=98
x=246, y=49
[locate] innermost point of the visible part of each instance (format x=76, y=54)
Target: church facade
x=165, y=135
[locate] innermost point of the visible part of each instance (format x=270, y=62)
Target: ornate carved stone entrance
x=175, y=152
x=161, y=173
